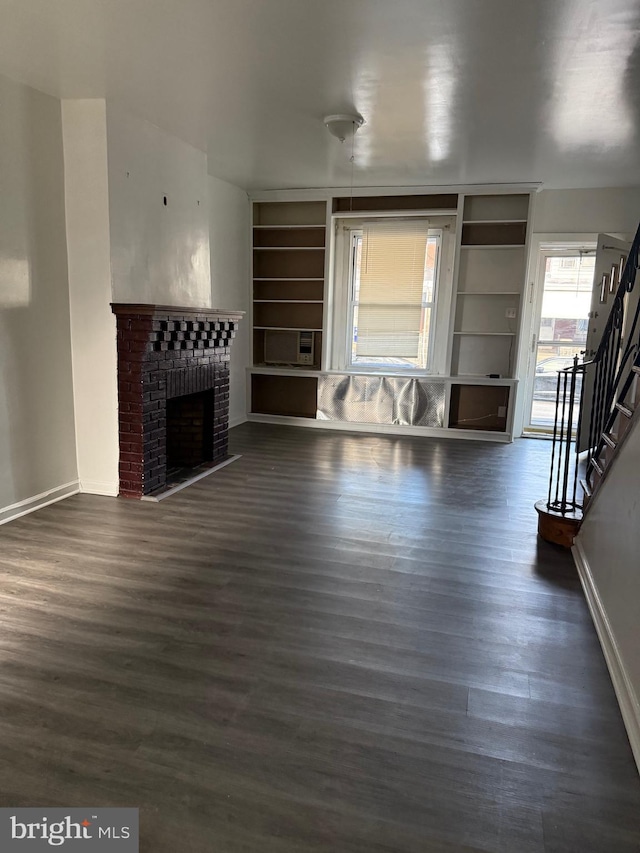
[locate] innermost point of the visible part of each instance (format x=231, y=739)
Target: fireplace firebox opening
x=189, y=431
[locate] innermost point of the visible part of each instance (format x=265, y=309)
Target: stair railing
x=614, y=358
x=611, y=368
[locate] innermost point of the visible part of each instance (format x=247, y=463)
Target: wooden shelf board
x=288, y=248
x=560, y=342
x=285, y=227
x=494, y=221
x=472, y=428
x=286, y=329
x=300, y=415
x=477, y=431
x=288, y=278
x=493, y=246
x=455, y=379
x=275, y=370
x=380, y=214
x=472, y=379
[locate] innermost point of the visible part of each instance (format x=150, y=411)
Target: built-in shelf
x=481, y=354
x=289, y=290
x=289, y=245
x=496, y=208
x=490, y=285
x=413, y=204
x=476, y=407
x=494, y=233
x=290, y=260
x=284, y=214
x=284, y=394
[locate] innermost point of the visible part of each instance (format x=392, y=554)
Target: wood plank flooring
x=345, y=643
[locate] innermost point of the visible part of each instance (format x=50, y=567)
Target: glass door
x=563, y=318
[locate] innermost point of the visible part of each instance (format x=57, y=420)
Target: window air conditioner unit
x=288, y=347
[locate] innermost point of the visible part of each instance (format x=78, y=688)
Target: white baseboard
x=627, y=699
x=95, y=487
x=51, y=496
x=384, y=429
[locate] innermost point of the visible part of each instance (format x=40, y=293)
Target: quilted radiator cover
x=381, y=400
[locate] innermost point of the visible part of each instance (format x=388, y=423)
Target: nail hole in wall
x=164, y=200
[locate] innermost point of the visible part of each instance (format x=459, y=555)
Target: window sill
x=434, y=377
x=380, y=371
x=422, y=374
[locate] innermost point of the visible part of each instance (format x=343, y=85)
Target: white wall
x=37, y=441
x=607, y=548
x=93, y=327
x=89, y=180
x=125, y=245
x=159, y=254
x=612, y=210
x=229, y=221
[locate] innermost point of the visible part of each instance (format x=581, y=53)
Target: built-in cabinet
x=490, y=282
x=488, y=307
x=290, y=303
x=289, y=248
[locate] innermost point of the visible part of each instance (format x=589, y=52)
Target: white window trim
x=340, y=317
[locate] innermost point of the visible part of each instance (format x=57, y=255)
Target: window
x=393, y=272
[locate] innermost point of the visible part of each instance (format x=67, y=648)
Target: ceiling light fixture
x=343, y=126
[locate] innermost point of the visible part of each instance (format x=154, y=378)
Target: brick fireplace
x=173, y=391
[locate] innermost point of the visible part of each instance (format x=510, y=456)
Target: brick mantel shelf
x=165, y=352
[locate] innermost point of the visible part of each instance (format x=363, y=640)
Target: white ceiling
x=453, y=91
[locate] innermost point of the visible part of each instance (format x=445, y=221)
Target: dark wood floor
x=338, y=643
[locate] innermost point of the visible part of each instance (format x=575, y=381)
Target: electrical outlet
x=502, y=411
x=510, y=313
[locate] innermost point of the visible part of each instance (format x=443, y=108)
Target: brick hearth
x=165, y=353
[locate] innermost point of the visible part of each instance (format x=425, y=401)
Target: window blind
x=391, y=287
